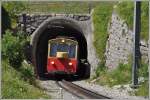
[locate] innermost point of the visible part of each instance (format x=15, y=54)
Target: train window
x=72, y=51
x=53, y=49
x=69, y=47
x=62, y=48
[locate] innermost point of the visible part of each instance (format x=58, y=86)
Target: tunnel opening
x=52, y=28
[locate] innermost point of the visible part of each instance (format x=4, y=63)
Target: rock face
x=120, y=43
x=144, y=51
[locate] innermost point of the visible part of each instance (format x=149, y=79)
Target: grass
x=143, y=89
x=121, y=75
x=15, y=86
x=101, y=17
x=126, y=11
x=58, y=7
x=143, y=72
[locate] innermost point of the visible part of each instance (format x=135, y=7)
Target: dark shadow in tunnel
x=53, y=28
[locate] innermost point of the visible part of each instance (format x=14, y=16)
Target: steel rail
x=79, y=91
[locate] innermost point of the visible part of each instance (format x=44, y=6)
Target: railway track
x=80, y=92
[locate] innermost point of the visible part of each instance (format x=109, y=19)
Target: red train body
x=62, y=65
x=62, y=56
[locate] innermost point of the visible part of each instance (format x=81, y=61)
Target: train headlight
x=52, y=62
x=62, y=40
x=70, y=63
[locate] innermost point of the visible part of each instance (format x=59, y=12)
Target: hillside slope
x=15, y=87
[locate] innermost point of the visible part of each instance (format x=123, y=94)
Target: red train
x=63, y=60
x=62, y=56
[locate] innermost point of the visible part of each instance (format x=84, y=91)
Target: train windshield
x=56, y=47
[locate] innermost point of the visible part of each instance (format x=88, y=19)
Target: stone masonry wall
x=29, y=22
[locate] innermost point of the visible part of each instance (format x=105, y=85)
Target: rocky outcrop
x=120, y=43
x=144, y=51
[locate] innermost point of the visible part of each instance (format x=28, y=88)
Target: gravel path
x=110, y=92
x=56, y=92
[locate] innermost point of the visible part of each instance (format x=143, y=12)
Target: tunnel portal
x=49, y=29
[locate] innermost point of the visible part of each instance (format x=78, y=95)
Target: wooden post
x=136, y=45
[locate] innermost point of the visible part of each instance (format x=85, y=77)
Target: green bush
x=12, y=49
x=13, y=8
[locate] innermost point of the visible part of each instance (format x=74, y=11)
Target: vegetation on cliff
x=101, y=17
x=126, y=11
x=17, y=84
x=121, y=75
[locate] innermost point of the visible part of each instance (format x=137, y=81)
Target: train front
x=62, y=56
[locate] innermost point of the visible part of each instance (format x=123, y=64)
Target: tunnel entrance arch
x=52, y=28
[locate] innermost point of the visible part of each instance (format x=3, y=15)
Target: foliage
x=100, y=70
x=101, y=16
x=114, y=77
x=5, y=20
x=27, y=73
x=144, y=20
x=14, y=86
x=143, y=70
x=143, y=89
x=13, y=8
x=126, y=11
x=12, y=48
x=122, y=75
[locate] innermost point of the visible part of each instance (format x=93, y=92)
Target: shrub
x=12, y=49
x=13, y=8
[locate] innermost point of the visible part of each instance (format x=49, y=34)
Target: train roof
x=63, y=39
